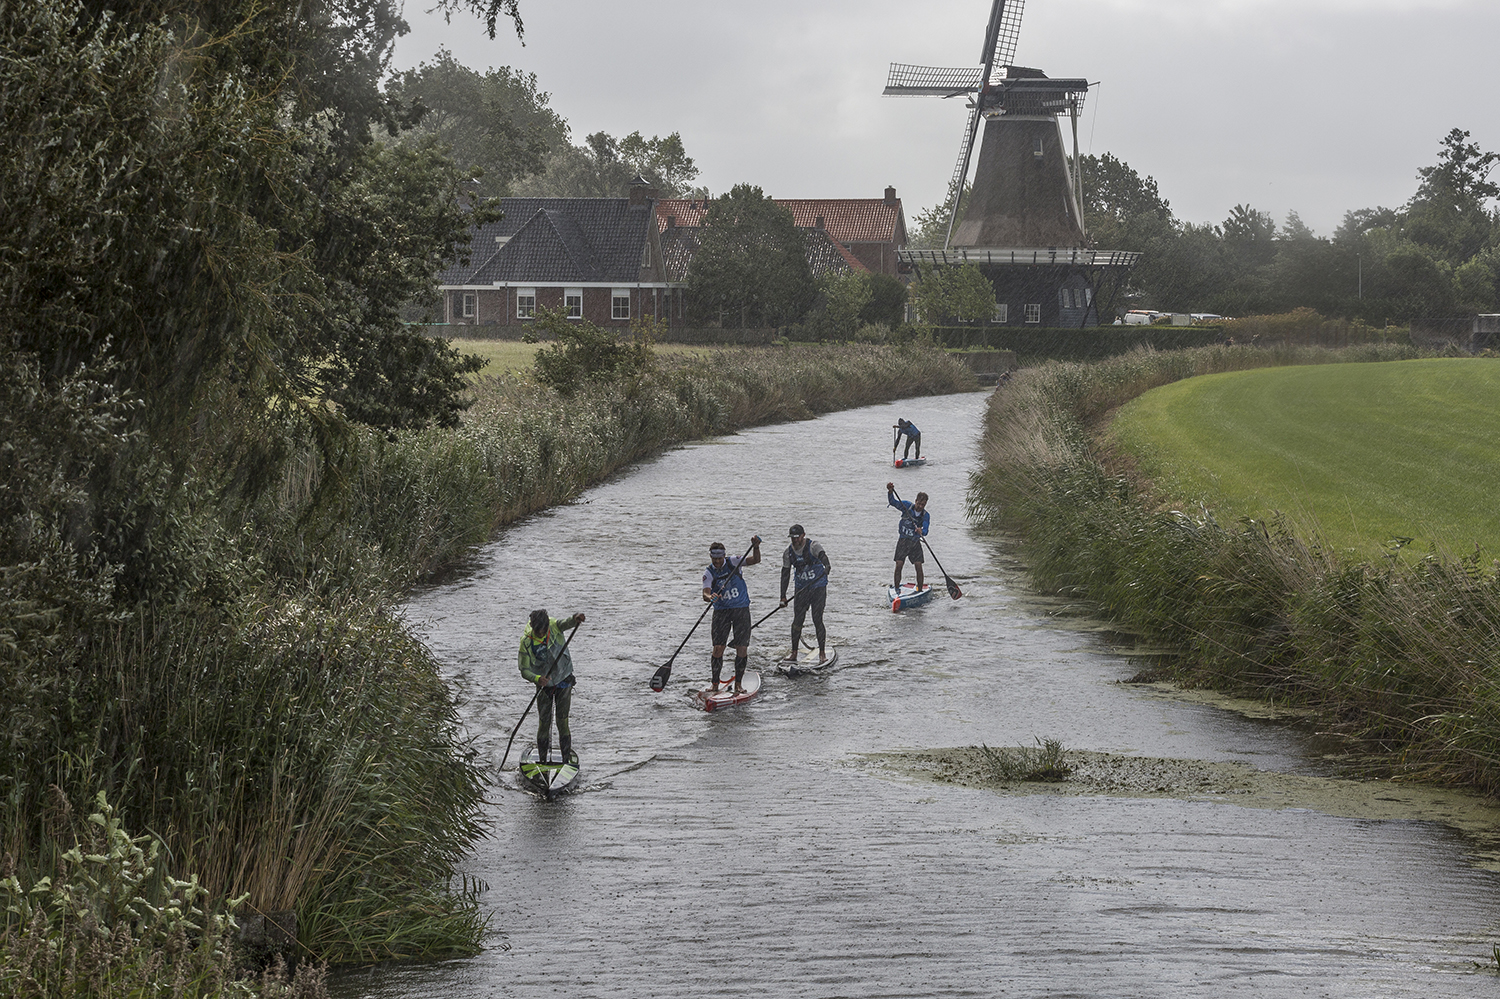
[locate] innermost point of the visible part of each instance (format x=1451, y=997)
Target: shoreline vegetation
x=273, y=731
x=1399, y=654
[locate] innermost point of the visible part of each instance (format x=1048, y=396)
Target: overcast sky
x=1313, y=106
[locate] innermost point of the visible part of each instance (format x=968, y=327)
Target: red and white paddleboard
x=712, y=699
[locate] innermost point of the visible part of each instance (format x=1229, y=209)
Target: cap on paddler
x=796, y=531
x=716, y=550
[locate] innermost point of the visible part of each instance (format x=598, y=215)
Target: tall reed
x=1402, y=652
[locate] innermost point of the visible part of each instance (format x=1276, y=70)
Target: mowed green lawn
x=512, y=355
x=1362, y=453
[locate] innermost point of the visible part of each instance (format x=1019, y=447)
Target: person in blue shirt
x=724, y=587
x=545, y=662
x=912, y=434
x=806, y=559
x=913, y=528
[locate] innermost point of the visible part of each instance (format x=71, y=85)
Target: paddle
x=953, y=590
x=533, y=699
x=664, y=671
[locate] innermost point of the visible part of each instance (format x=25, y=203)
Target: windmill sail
x=931, y=81
x=961, y=172
x=1001, y=35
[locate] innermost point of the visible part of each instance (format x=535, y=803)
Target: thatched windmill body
x=1022, y=222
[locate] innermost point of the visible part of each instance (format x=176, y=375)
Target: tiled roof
x=846, y=220
x=557, y=239
x=825, y=256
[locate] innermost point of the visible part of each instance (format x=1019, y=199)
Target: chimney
x=641, y=192
x=890, y=195
x=818, y=223
x=671, y=221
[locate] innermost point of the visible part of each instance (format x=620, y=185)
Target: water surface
x=755, y=852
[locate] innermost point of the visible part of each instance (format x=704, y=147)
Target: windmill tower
x=1023, y=220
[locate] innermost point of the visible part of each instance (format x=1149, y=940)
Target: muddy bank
x=1107, y=774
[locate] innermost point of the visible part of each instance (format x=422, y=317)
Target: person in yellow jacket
x=545, y=662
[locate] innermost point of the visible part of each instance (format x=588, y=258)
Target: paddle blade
x=659, y=678
x=953, y=590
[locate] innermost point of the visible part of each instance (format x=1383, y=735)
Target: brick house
x=598, y=259
x=854, y=233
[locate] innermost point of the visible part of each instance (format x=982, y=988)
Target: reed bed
x=420, y=500
x=1402, y=652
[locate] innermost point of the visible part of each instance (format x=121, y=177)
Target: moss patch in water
x=1109, y=774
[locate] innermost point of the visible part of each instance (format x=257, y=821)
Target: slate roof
x=846, y=220
x=551, y=240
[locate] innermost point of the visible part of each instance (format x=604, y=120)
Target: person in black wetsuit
x=805, y=559
x=913, y=437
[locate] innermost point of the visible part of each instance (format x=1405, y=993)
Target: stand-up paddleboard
x=806, y=661
x=909, y=462
x=551, y=776
x=712, y=699
x=907, y=595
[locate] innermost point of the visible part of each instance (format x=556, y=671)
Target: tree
x=887, y=303
x=497, y=122
x=1122, y=209
x=953, y=294
x=750, y=268
x=605, y=167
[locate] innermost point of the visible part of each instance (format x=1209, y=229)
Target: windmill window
x=619, y=301
x=525, y=303
x=469, y=306
x=1002, y=312
x=1033, y=312
x=1036, y=147
x=573, y=303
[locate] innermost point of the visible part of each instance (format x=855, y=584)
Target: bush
x=582, y=352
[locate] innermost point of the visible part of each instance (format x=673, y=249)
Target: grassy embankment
x=275, y=728
x=1358, y=455
x=1401, y=652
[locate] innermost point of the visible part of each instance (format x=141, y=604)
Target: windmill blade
x=961, y=172
x=931, y=81
x=1001, y=35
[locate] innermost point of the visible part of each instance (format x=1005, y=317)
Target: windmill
x=997, y=90
x=1023, y=221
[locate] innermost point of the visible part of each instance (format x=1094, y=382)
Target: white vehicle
x=1141, y=317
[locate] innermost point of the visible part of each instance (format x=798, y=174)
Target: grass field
x=1361, y=453
x=512, y=355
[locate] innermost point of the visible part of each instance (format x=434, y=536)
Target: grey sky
x=1317, y=106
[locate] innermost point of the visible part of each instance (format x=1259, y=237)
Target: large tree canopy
x=751, y=267
x=496, y=122
x=605, y=167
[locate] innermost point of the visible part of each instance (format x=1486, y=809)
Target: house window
x=469, y=306
x=1002, y=312
x=619, y=301
x=573, y=303
x=525, y=303
x=1033, y=312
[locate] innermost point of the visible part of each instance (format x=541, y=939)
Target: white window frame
x=470, y=304
x=525, y=303
x=1033, y=312
x=569, y=310
x=1065, y=298
x=616, y=310
x=1002, y=312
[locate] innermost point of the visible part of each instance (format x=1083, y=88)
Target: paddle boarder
x=805, y=559
x=546, y=663
x=724, y=587
x=912, y=434
x=913, y=528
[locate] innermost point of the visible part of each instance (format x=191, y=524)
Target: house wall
x=497, y=306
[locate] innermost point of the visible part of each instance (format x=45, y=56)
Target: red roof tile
x=846, y=220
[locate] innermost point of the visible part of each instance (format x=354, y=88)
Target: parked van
x=1140, y=317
